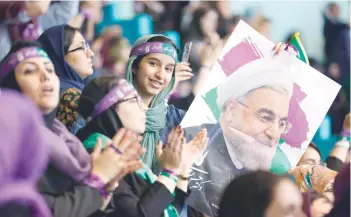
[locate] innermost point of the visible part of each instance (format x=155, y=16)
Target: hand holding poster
x=260, y=110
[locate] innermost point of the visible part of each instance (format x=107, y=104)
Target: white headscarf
x=258, y=73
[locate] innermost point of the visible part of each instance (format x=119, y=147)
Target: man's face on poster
x=260, y=115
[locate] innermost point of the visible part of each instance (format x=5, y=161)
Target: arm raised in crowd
x=93, y=193
x=59, y=13
x=136, y=198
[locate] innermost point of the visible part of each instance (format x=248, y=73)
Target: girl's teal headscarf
x=156, y=114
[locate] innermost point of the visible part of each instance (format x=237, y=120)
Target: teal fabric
x=155, y=121
x=280, y=162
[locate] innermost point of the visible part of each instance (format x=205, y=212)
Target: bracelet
x=170, y=172
x=170, y=176
x=95, y=181
x=116, y=149
x=104, y=193
x=184, y=178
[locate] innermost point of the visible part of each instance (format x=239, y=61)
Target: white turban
x=270, y=71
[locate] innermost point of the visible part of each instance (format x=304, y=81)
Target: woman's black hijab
x=53, y=42
x=10, y=80
x=106, y=123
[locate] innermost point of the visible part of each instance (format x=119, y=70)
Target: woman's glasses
x=133, y=99
x=85, y=47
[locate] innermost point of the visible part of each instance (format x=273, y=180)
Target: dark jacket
x=337, y=44
x=173, y=118
x=182, y=102
x=134, y=197
x=211, y=176
x=66, y=198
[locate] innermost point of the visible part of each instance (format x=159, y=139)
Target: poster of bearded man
x=260, y=110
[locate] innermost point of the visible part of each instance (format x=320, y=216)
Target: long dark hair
x=196, y=22
x=248, y=195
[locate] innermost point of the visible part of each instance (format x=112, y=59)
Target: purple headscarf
x=67, y=152
x=24, y=152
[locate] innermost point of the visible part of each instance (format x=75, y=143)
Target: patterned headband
x=12, y=61
x=118, y=93
x=155, y=47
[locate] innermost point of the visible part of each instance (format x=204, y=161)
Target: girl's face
x=131, y=112
x=37, y=79
x=286, y=201
x=80, y=56
x=154, y=74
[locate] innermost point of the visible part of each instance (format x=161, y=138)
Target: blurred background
x=111, y=27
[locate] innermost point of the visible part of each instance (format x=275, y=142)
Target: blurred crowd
x=90, y=127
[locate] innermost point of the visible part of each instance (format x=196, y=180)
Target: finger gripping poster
x=260, y=110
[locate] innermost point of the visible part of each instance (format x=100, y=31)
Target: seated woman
x=75, y=184
x=73, y=61
x=24, y=154
x=260, y=193
x=111, y=103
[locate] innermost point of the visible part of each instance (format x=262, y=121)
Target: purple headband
x=155, y=47
x=122, y=90
x=11, y=62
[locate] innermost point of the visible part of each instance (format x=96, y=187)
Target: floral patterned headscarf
x=313, y=178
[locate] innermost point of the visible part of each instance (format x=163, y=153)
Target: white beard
x=252, y=154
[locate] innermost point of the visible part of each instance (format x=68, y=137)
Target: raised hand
x=210, y=51
x=183, y=72
x=193, y=150
x=131, y=163
x=36, y=8
x=280, y=46
x=170, y=156
x=111, y=163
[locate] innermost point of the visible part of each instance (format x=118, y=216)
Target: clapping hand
x=193, y=150
x=120, y=157
x=170, y=156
